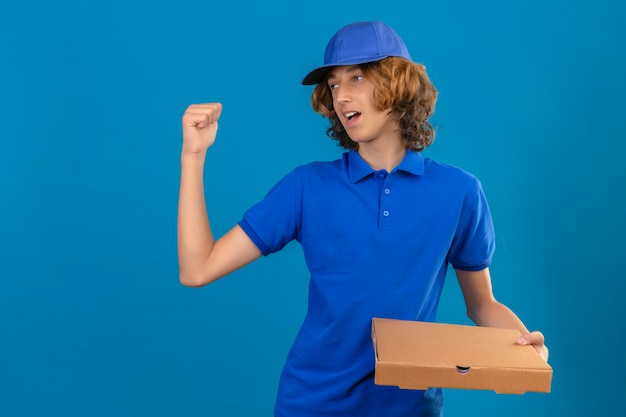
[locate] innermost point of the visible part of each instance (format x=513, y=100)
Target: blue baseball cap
x=358, y=43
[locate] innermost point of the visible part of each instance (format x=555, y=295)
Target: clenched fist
x=200, y=126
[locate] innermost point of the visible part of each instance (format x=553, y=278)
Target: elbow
x=191, y=280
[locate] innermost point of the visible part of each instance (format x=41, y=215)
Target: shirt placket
x=384, y=209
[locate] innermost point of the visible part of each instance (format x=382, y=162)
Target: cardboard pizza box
x=420, y=355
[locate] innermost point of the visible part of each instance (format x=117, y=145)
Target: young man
x=378, y=228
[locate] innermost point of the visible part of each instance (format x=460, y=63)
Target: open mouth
x=352, y=114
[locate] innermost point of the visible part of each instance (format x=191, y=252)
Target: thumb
x=523, y=339
x=530, y=338
x=536, y=340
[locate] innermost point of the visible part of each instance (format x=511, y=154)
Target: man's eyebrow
x=332, y=75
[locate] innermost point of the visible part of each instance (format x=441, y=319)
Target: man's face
x=353, y=101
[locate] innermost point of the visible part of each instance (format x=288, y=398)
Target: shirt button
x=386, y=213
x=387, y=190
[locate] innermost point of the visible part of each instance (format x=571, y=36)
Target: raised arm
x=201, y=258
x=484, y=310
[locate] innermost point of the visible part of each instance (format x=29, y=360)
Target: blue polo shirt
x=376, y=244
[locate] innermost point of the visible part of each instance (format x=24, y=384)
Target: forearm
x=484, y=310
x=195, y=239
x=482, y=307
x=496, y=314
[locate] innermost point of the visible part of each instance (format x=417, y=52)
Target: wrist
x=192, y=157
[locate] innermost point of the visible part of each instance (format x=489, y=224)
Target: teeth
x=351, y=114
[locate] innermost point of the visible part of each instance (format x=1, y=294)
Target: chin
x=359, y=140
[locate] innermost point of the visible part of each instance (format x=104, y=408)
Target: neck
x=387, y=157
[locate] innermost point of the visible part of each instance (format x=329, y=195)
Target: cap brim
x=318, y=74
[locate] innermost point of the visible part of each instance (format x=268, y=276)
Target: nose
x=343, y=94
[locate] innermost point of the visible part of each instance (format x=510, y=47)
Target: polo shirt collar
x=413, y=163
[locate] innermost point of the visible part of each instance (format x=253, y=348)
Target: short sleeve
x=275, y=220
x=474, y=240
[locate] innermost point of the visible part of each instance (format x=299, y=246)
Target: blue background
x=93, y=320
